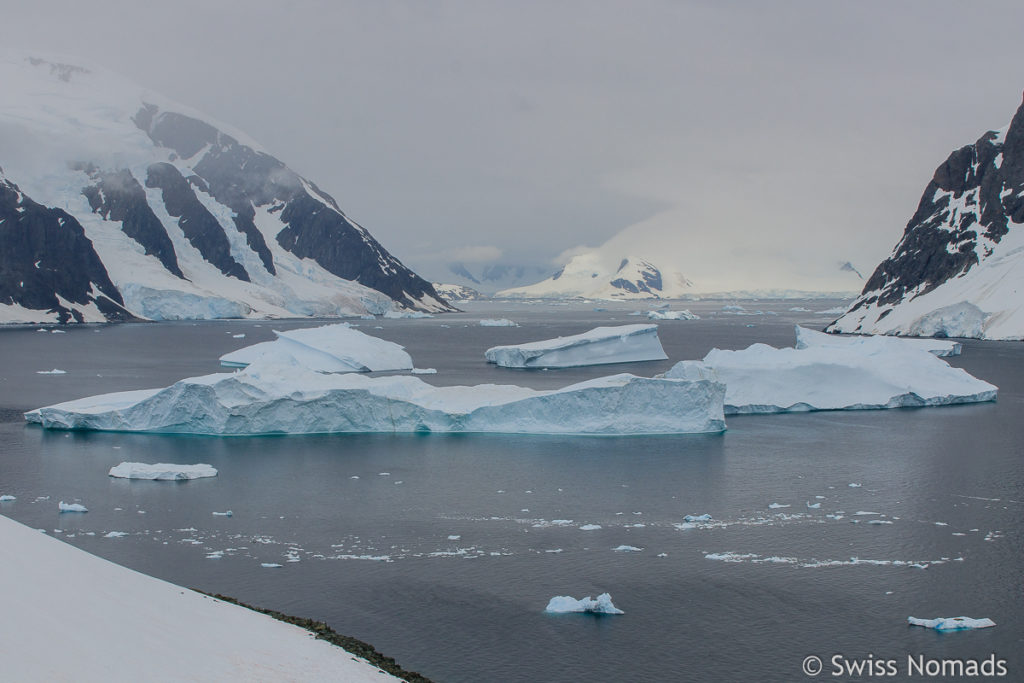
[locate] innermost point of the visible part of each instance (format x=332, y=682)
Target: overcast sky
x=515, y=131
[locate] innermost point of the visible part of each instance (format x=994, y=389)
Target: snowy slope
x=591, y=276
x=189, y=218
x=958, y=271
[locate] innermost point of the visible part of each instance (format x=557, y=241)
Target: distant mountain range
x=585, y=276
x=116, y=203
x=958, y=270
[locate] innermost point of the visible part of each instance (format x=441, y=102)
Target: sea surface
x=443, y=550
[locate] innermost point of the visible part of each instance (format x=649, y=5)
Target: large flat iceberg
x=330, y=348
x=951, y=623
x=161, y=471
x=806, y=339
x=855, y=373
x=599, y=346
x=271, y=398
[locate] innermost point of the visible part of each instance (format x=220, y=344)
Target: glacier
x=563, y=604
x=288, y=398
x=599, y=346
x=329, y=348
x=858, y=373
x=161, y=471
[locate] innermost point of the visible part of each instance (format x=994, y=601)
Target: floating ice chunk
x=7, y=498
x=865, y=373
x=813, y=506
x=951, y=623
x=599, y=346
x=776, y=506
x=454, y=537
x=55, y=371
x=271, y=565
x=562, y=604
x=498, y=322
x=267, y=398
x=115, y=534
x=854, y=486
x=424, y=371
x=330, y=348
x=879, y=521
x=941, y=524
x=238, y=336
x=161, y=471
x=627, y=549
x=672, y=315
x=226, y=513
x=406, y=314
x=698, y=518
x=733, y=308
x=71, y=507
x=806, y=339
x=590, y=527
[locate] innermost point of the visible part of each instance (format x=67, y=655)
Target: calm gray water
x=443, y=551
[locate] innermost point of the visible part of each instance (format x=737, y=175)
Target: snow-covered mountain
x=958, y=271
x=116, y=202
x=491, y=277
x=589, y=276
x=451, y=292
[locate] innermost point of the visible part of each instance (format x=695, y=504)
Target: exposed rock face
x=960, y=247
x=48, y=264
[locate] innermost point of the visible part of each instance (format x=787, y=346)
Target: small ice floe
x=57, y=331
x=662, y=554
x=563, y=604
x=854, y=486
x=498, y=322
x=941, y=524
x=383, y=474
x=115, y=534
x=6, y=498
x=55, y=371
x=424, y=371
x=71, y=507
x=627, y=549
x=590, y=527
x=879, y=521
x=776, y=506
x=226, y=513
x=354, y=476
x=697, y=518
x=271, y=565
x=813, y=506
x=951, y=623
x=454, y=537
x=215, y=554
x=862, y=513
x=161, y=471
x=685, y=314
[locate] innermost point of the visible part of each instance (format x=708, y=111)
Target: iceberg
x=273, y=398
x=806, y=339
x=672, y=315
x=563, y=604
x=498, y=322
x=161, y=471
x=7, y=498
x=330, y=348
x=396, y=315
x=71, y=507
x=951, y=623
x=599, y=346
x=855, y=374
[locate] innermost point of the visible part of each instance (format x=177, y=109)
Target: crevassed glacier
x=859, y=373
x=599, y=346
x=329, y=348
x=273, y=398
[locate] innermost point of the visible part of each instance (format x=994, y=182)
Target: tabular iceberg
x=857, y=373
x=161, y=471
x=951, y=623
x=806, y=338
x=599, y=346
x=271, y=398
x=330, y=348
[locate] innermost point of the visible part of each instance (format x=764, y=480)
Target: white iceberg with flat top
x=599, y=346
x=330, y=348
x=161, y=471
x=564, y=604
x=951, y=623
x=272, y=398
x=806, y=339
x=855, y=374
x=672, y=315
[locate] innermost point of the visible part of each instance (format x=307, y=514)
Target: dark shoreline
x=324, y=632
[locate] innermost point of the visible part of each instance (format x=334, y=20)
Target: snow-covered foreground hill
x=69, y=615
x=117, y=202
x=958, y=270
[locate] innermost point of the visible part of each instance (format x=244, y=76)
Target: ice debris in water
x=7, y=498
x=561, y=604
x=271, y=565
x=55, y=371
x=161, y=471
x=227, y=513
x=627, y=549
x=951, y=623
x=697, y=518
x=599, y=346
x=813, y=506
x=498, y=322
x=672, y=315
x=71, y=507
x=590, y=527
